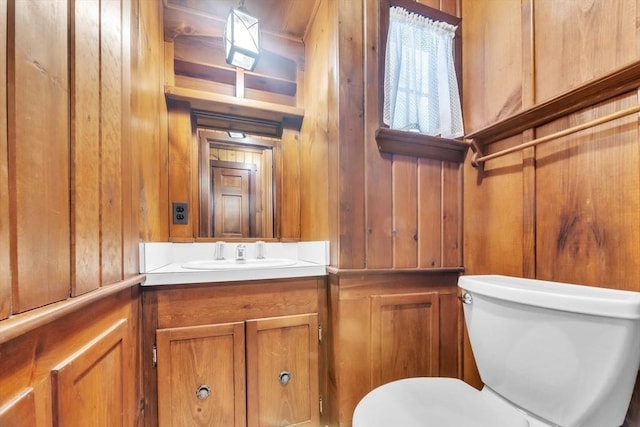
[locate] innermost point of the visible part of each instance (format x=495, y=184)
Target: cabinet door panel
x=277, y=346
x=89, y=385
x=404, y=336
x=210, y=356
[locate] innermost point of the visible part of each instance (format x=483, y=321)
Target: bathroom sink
x=232, y=264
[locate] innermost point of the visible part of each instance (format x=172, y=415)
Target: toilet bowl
x=549, y=355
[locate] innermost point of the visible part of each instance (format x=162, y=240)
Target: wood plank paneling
x=351, y=207
x=314, y=193
x=5, y=258
x=111, y=139
x=149, y=109
x=180, y=164
x=587, y=201
x=38, y=147
x=492, y=37
x=378, y=166
x=576, y=41
x=288, y=189
x=430, y=214
x=129, y=177
x=85, y=146
x=451, y=214
x=573, y=201
x=405, y=211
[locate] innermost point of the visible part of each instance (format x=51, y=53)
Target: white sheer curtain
x=420, y=86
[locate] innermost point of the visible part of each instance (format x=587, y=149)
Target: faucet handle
x=260, y=249
x=219, y=251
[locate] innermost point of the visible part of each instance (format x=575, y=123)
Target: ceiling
x=285, y=19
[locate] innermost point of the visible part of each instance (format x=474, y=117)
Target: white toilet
x=549, y=354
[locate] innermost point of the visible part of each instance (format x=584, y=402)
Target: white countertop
x=162, y=262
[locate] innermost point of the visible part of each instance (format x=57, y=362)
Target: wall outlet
x=180, y=212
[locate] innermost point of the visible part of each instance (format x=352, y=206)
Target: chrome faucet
x=241, y=251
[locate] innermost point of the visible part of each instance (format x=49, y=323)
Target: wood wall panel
x=588, y=200
x=85, y=146
x=288, y=189
x=566, y=210
x=349, y=130
x=38, y=147
x=149, y=108
x=111, y=139
x=367, y=310
x=405, y=210
x=451, y=214
x=29, y=357
x=181, y=143
x=576, y=41
x=492, y=80
x=398, y=323
x=90, y=384
x=378, y=166
x=430, y=214
x=5, y=259
x=314, y=189
x=20, y=411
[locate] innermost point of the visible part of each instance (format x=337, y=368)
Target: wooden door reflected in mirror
x=236, y=186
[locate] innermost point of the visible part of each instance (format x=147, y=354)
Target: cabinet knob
x=284, y=377
x=203, y=392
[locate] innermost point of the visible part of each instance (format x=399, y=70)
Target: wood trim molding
x=421, y=145
x=617, y=82
x=22, y=323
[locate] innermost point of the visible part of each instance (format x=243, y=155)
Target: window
x=419, y=71
x=420, y=86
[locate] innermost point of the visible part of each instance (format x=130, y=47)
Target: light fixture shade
x=242, y=39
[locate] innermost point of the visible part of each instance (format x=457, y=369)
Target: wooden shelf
x=287, y=116
x=618, y=82
x=419, y=145
x=228, y=76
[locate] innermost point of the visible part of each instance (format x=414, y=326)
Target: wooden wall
x=69, y=200
x=566, y=210
x=385, y=211
x=80, y=156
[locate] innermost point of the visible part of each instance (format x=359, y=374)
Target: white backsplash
x=154, y=255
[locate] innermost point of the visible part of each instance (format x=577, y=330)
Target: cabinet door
x=201, y=376
x=404, y=336
x=282, y=371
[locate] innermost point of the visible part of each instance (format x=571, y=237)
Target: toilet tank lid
x=574, y=298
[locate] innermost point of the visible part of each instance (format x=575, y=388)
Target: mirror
x=236, y=185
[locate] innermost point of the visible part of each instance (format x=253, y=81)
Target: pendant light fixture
x=242, y=38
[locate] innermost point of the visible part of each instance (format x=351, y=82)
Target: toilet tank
x=568, y=354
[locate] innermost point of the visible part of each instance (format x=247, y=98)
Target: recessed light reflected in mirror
x=234, y=134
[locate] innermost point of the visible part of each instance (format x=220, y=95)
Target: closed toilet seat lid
x=434, y=402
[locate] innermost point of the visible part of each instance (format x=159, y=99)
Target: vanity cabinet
x=235, y=354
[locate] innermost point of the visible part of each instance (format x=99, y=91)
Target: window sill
x=419, y=145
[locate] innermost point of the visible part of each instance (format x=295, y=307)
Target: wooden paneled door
x=282, y=371
x=201, y=376
x=404, y=336
x=231, y=187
